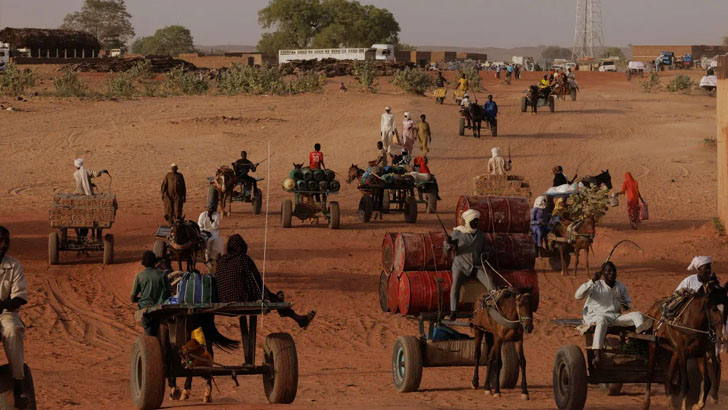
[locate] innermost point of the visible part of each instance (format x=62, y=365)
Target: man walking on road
x=387, y=127
x=174, y=194
x=424, y=135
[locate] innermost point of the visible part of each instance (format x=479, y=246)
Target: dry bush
x=14, y=82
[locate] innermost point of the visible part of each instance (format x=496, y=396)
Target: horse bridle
x=521, y=319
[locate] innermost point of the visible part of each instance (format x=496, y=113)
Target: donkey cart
x=399, y=199
x=153, y=359
x=86, y=217
x=311, y=206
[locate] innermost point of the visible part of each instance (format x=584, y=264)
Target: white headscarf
x=82, y=175
x=468, y=216
x=387, y=109
x=495, y=152
x=699, y=261
x=540, y=202
x=406, y=115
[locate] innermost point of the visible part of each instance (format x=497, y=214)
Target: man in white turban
x=496, y=164
x=83, y=178
x=408, y=133
x=471, y=249
x=703, y=266
x=387, y=127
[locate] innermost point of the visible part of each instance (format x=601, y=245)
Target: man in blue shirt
x=491, y=108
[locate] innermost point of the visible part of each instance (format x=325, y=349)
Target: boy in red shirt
x=316, y=158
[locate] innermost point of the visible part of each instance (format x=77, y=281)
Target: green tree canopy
x=170, y=40
x=323, y=24
x=108, y=20
x=551, y=53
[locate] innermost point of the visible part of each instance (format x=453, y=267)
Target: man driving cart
x=241, y=167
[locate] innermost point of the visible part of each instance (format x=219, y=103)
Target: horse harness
x=490, y=301
x=682, y=302
x=572, y=232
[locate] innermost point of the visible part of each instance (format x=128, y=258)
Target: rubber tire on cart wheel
x=257, y=202
x=461, y=127
x=573, y=94
x=383, y=291
x=407, y=364
x=524, y=104
x=159, y=248
x=410, y=210
x=108, y=249
x=552, y=103
x=555, y=257
x=147, y=373
x=286, y=213
x=280, y=382
x=569, y=380
x=366, y=207
x=431, y=203
x=385, y=202
x=334, y=215
x=53, y=248
x=510, y=369
x=612, y=389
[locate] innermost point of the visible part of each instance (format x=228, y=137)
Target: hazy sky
x=469, y=23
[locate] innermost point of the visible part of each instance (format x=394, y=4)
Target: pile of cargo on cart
x=311, y=189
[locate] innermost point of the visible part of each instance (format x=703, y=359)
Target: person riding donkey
x=606, y=299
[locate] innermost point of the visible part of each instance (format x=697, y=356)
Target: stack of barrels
x=311, y=180
x=416, y=275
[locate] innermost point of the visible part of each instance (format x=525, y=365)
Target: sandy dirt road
x=80, y=326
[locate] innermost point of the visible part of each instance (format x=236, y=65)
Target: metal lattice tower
x=588, y=34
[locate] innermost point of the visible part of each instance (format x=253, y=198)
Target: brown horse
x=562, y=87
x=225, y=185
x=184, y=241
x=504, y=323
x=580, y=235
x=691, y=334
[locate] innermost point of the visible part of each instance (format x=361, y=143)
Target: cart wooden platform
x=310, y=206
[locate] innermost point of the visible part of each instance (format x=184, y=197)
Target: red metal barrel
x=497, y=213
x=388, y=250
x=418, y=291
x=521, y=279
x=393, y=293
x=512, y=251
x=420, y=252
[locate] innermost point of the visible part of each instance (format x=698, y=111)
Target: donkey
x=506, y=321
x=185, y=240
x=580, y=235
x=602, y=179
x=225, y=185
x=692, y=334
x=474, y=114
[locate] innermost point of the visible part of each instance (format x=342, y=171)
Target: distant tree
x=170, y=40
x=551, y=53
x=405, y=47
x=613, y=52
x=323, y=24
x=108, y=20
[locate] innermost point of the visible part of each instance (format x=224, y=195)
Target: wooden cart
x=153, y=359
x=310, y=206
x=80, y=221
x=395, y=199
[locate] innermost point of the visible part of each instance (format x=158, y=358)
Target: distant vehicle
x=667, y=58
x=381, y=52
x=571, y=65
x=4, y=55
x=684, y=62
x=23, y=52
x=115, y=52
x=607, y=66
x=558, y=67
x=635, y=68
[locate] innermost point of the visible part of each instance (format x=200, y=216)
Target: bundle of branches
x=589, y=201
x=49, y=39
x=158, y=64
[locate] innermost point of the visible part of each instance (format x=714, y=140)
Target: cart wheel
x=461, y=127
x=570, y=386
x=366, y=207
x=108, y=249
x=431, y=203
x=509, y=371
x=160, y=248
x=286, y=213
x=383, y=289
x=410, y=210
x=280, y=382
x=573, y=94
x=334, y=215
x=555, y=257
x=551, y=104
x=53, y=248
x=612, y=389
x=147, y=373
x=524, y=104
x=407, y=364
x=257, y=201
x=385, y=202
x=494, y=127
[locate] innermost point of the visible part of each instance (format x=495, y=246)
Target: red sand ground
x=80, y=326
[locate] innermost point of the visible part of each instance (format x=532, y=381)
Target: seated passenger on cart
x=84, y=186
x=316, y=161
x=606, y=299
x=151, y=287
x=471, y=249
x=241, y=168
x=209, y=223
x=13, y=295
x=238, y=280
